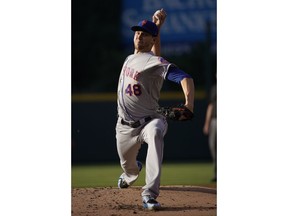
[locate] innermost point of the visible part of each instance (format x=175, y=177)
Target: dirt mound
x=175, y=200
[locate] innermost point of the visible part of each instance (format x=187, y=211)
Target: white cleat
x=150, y=203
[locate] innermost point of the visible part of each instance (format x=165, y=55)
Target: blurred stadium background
x=101, y=40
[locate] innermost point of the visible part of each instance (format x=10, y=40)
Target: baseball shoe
x=122, y=183
x=150, y=203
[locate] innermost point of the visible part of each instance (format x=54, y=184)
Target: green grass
x=106, y=175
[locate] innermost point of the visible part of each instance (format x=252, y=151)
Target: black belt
x=137, y=123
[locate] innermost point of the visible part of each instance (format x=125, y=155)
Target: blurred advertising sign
x=186, y=21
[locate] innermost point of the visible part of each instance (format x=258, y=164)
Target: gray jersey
x=139, y=86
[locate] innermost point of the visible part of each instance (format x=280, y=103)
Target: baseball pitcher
x=140, y=119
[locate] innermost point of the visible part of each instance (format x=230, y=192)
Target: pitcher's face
x=143, y=41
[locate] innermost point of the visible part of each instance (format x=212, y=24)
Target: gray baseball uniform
x=139, y=88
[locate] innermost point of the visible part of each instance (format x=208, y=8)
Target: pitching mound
x=175, y=200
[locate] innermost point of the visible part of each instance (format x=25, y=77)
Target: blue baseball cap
x=146, y=26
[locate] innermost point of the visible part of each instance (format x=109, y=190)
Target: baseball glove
x=176, y=113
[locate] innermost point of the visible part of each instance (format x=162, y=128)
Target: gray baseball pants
x=129, y=141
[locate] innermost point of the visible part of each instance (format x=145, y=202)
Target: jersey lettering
x=135, y=89
x=130, y=72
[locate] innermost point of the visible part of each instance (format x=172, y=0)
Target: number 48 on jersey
x=134, y=89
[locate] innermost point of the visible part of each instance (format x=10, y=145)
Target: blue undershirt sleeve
x=176, y=75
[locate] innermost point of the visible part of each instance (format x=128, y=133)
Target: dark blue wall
x=93, y=134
